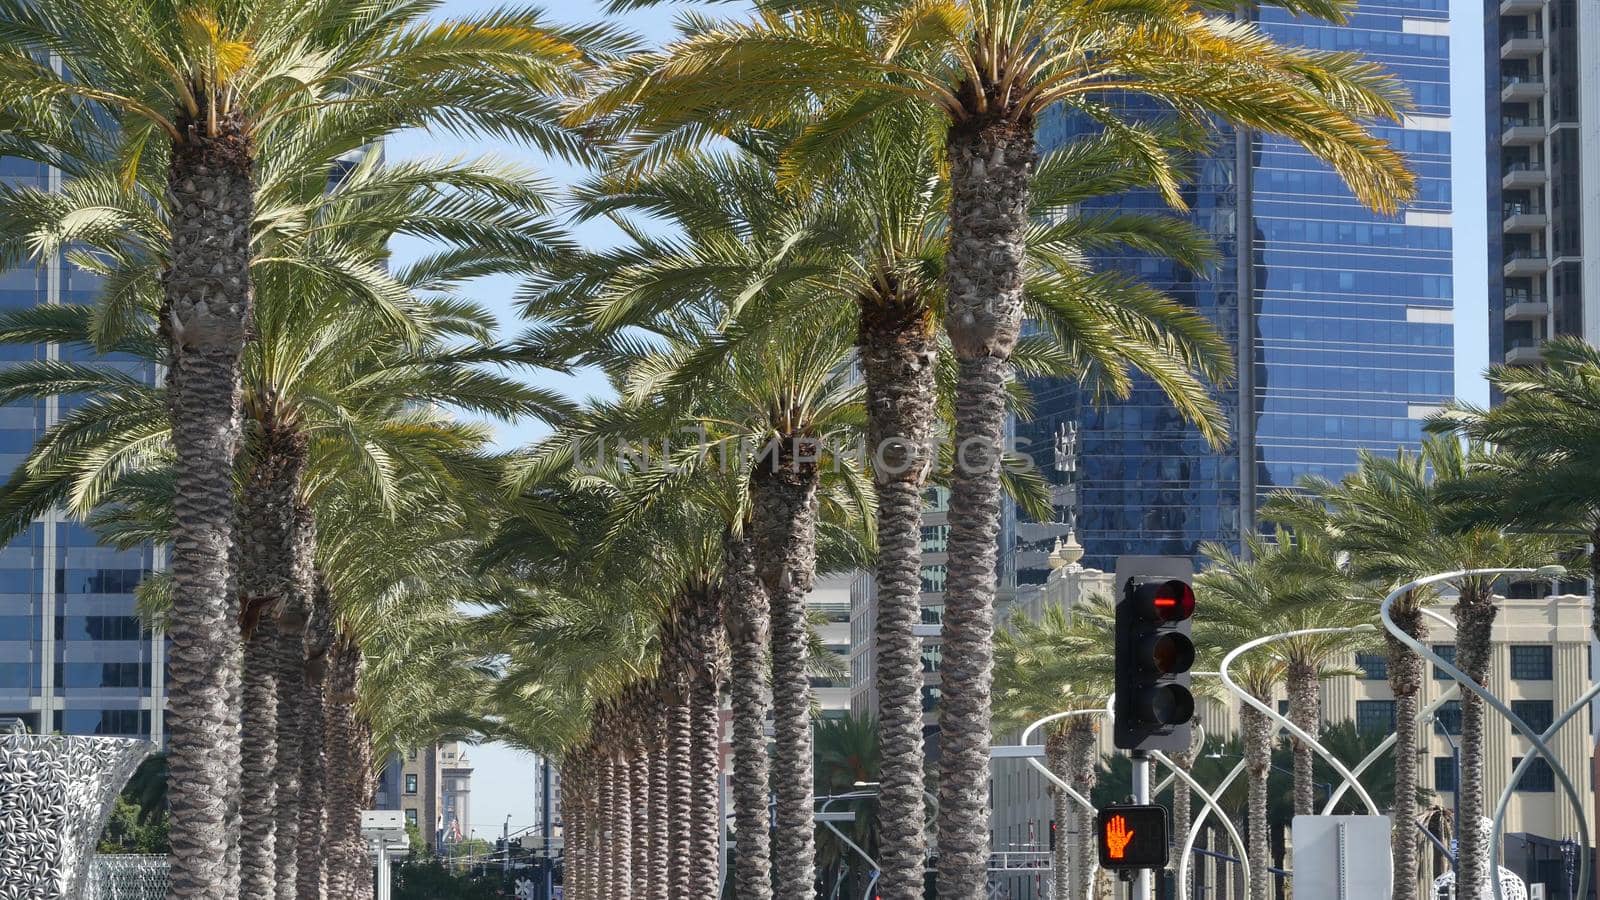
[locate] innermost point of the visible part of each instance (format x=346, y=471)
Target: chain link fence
x=127, y=878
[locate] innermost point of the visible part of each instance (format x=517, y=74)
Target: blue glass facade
x=74, y=657
x=1341, y=319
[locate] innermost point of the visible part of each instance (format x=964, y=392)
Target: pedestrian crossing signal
x=1132, y=836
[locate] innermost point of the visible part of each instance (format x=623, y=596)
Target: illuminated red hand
x=1117, y=836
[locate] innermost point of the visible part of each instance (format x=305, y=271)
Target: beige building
x=1540, y=666
x=432, y=787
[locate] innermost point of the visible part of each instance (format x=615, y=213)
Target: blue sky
x=504, y=778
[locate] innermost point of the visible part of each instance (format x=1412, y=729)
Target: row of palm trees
x=1339, y=547
x=834, y=218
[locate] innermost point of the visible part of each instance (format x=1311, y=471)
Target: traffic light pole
x=1142, y=883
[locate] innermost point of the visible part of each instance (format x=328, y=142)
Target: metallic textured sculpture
x=128, y=878
x=55, y=796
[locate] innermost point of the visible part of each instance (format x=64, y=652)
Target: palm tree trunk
x=292, y=708
x=710, y=648
x=661, y=811
x=1058, y=757
x=572, y=836
x=1258, y=765
x=749, y=626
x=205, y=316
x=991, y=163
x=259, y=745
x=899, y=350
x=619, y=829
x=1182, y=811
x=1305, y=706
x=1405, y=682
x=1082, y=751
x=641, y=809
x=1475, y=614
x=707, y=760
x=785, y=532
x=680, y=779
x=312, y=867
x=349, y=778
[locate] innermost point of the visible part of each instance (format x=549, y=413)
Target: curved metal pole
x=1383, y=747
x=1505, y=796
x=1500, y=707
x=1211, y=803
x=1044, y=769
x=1283, y=721
x=1194, y=832
x=1167, y=782
x=854, y=795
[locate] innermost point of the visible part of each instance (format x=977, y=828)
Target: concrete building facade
x=432, y=788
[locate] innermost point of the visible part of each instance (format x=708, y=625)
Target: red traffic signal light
x=1165, y=601
x=1154, y=653
x=1132, y=836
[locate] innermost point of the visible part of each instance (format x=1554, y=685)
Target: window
x=1447, y=718
x=411, y=817
x=411, y=784
x=1374, y=715
x=1373, y=666
x=1530, y=662
x=1537, y=713
x=1538, y=779
x=1448, y=651
x=1444, y=773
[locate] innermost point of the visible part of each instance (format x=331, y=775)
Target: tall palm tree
x=201, y=88
x=1287, y=585
x=867, y=246
x=1397, y=519
x=991, y=67
x=1059, y=663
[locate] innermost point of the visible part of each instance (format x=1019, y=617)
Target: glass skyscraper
x=1341, y=319
x=74, y=657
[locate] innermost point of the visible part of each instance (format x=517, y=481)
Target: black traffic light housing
x=1154, y=705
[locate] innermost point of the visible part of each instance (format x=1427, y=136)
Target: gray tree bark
x=641, y=810
x=290, y=650
x=1083, y=752
x=619, y=827
x=991, y=162
x=312, y=866
x=205, y=317
x=1182, y=806
x=1305, y=707
x=1058, y=757
x=661, y=808
x=710, y=673
x=1475, y=614
x=785, y=537
x=899, y=350
x=1405, y=682
x=259, y=745
x=350, y=780
x=749, y=620
x=680, y=780
x=575, y=844
x=1258, y=765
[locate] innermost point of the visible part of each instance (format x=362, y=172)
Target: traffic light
x=1154, y=655
x=1132, y=837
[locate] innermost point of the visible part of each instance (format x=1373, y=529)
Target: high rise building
x=1341, y=318
x=1543, y=106
x=74, y=657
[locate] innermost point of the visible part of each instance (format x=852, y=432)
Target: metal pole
x=505, y=848
x=1142, y=883
x=546, y=814
x=383, y=869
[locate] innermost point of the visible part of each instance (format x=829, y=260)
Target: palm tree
x=200, y=89
x=1287, y=585
x=868, y=246
x=991, y=67
x=1396, y=518
x=849, y=753
x=1056, y=664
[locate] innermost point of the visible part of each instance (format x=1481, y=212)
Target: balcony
x=1520, y=131
x=1522, y=88
x=1524, y=352
x=1522, y=176
x=1520, y=7
x=1526, y=310
x=1523, y=218
x=1525, y=264
x=1521, y=44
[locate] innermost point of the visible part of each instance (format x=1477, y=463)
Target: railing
x=1522, y=297
x=1524, y=343
x=1521, y=209
x=1517, y=34
x=1512, y=255
x=1520, y=166
x=1521, y=122
x=1509, y=80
